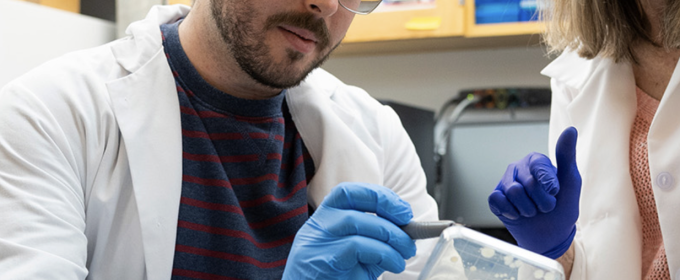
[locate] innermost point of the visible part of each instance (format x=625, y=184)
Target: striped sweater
x=245, y=172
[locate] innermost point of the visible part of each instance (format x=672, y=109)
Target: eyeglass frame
x=358, y=12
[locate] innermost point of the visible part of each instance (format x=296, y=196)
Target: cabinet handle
x=424, y=23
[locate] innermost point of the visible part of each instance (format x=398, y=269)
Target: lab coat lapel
x=341, y=150
x=147, y=110
x=663, y=157
x=667, y=113
x=604, y=111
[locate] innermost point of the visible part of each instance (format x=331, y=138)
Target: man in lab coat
x=207, y=145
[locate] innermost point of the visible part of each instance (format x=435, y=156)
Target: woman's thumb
x=567, y=171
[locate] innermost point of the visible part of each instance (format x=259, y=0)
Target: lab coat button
x=665, y=181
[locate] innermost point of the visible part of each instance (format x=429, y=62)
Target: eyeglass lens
x=360, y=6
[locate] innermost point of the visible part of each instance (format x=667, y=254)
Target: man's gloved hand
x=538, y=203
x=341, y=241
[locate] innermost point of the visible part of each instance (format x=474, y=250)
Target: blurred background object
x=477, y=135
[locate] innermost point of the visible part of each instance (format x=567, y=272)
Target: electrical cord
x=447, y=121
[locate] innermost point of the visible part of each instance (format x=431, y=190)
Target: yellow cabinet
x=439, y=19
x=66, y=5
x=388, y=31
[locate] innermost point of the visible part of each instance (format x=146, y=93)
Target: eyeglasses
x=362, y=7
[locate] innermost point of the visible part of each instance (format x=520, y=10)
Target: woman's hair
x=605, y=27
x=671, y=24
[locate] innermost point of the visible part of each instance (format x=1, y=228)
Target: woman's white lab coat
x=598, y=98
x=91, y=159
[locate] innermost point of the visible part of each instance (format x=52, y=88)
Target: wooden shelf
x=435, y=44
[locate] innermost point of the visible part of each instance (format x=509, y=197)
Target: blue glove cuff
x=560, y=249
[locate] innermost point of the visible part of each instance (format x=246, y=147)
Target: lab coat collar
x=133, y=52
x=597, y=86
x=575, y=71
x=602, y=84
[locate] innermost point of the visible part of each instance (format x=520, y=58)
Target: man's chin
x=297, y=68
x=278, y=81
x=292, y=76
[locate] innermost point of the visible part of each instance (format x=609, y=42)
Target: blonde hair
x=670, y=23
x=605, y=28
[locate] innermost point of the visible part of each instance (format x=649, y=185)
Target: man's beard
x=252, y=54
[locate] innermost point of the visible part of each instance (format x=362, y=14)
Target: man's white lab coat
x=91, y=159
x=598, y=98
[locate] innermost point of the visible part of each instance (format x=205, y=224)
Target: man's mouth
x=300, y=32
x=301, y=39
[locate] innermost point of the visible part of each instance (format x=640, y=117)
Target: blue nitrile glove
x=538, y=203
x=341, y=241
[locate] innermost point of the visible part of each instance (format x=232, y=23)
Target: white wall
x=427, y=80
x=31, y=34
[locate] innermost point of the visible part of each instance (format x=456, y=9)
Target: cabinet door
x=473, y=29
x=66, y=5
x=443, y=19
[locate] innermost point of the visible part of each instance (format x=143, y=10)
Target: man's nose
x=322, y=8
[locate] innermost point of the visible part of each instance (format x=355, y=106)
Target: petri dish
x=464, y=254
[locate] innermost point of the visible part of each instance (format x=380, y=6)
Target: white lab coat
x=598, y=98
x=91, y=159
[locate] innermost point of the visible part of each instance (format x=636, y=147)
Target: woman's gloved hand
x=341, y=241
x=538, y=203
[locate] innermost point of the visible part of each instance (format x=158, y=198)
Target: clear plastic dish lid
x=465, y=254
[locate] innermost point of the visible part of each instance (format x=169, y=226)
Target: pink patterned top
x=654, y=262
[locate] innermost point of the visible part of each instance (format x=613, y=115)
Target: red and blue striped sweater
x=245, y=173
